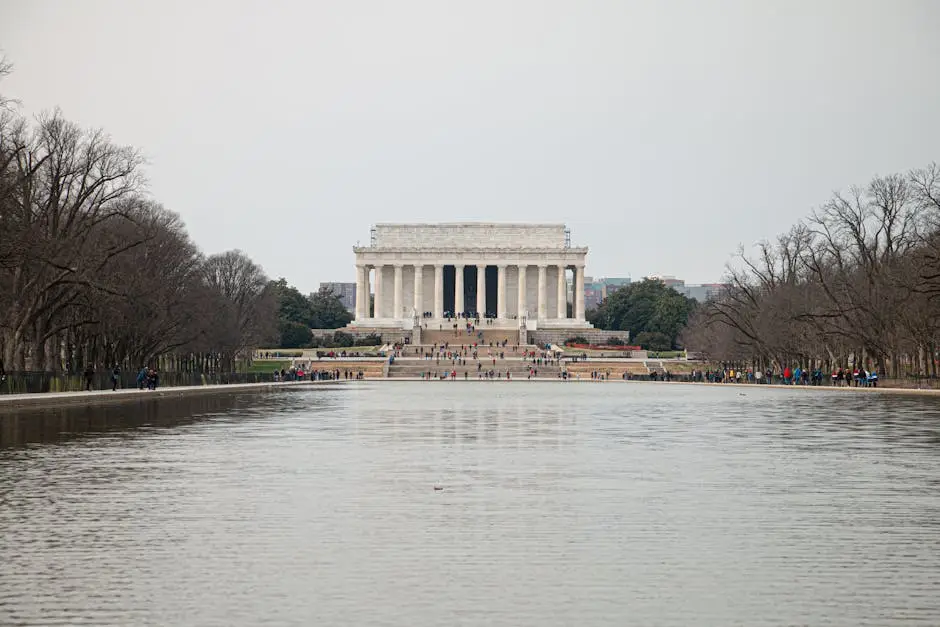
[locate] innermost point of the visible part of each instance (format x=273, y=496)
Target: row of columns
x=363, y=289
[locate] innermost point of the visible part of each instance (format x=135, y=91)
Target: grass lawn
x=268, y=366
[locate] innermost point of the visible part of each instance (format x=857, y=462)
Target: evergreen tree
x=653, y=313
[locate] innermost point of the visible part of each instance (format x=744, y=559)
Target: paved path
x=95, y=397
x=741, y=387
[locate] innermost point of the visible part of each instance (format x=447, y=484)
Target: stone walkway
x=93, y=397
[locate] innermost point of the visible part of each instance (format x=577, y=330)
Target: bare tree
x=861, y=239
x=74, y=183
x=853, y=282
x=6, y=68
x=93, y=271
x=241, y=303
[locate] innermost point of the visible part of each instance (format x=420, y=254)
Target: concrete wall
x=594, y=336
x=388, y=335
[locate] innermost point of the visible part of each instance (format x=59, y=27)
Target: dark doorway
x=448, y=289
x=492, y=278
x=470, y=289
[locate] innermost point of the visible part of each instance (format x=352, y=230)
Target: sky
x=665, y=134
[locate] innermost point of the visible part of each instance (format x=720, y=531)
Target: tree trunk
x=50, y=348
x=9, y=349
x=37, y=352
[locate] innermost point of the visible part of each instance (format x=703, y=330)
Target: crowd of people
x=482, y=375
x=467, y=315
x=299, y=373
x=858, y=376
x=542, y=357
x=444, y=351
x=340, y=354
x=477, y=352
x=147, y=378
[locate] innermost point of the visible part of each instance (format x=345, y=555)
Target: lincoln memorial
x=514, y=274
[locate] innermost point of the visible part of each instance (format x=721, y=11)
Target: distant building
x=669, y=281
x=596, y=290
x=345, y=291
x=612, y=284
x=701, y=292
x=705, y=291
x=593, y=295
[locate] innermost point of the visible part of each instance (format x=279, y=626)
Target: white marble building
x=514, y=273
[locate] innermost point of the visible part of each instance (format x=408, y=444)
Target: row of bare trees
x=857, y=283
x=93, y=271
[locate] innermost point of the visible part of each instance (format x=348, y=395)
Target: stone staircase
x=610, y=369
x=655, y=366
x=370, y=369
x=412, y=365
x=435, y=336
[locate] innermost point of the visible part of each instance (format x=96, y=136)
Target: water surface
x=562, y=504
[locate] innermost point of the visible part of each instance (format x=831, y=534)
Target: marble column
x=438, y=291
x=366, y=293
x=378, y=309
x=562, y=294
x=520, y=310
x=543, y=292
x=458, y=290
x=396, y=313
x=419, y=290
x=501, y=292
x=360, y=290
x=481, y=290
x=579, y=293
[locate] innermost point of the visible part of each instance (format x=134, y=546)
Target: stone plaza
x=514, y=276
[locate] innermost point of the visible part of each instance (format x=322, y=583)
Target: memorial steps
x=429, y=337
x=413, y=366
x=370, y=369
x=616, y=370
x=656, y=366
x=518, y=369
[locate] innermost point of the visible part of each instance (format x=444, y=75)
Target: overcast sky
x=664, y=134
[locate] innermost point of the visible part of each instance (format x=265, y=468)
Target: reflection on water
x=31, y=426
x=561, y=504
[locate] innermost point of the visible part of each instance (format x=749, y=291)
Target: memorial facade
x=512, y=274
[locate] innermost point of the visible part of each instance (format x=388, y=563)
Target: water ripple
x=562, y=504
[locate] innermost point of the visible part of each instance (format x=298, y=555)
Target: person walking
x=89, y=377
x=115, y=376
x=153, y=379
